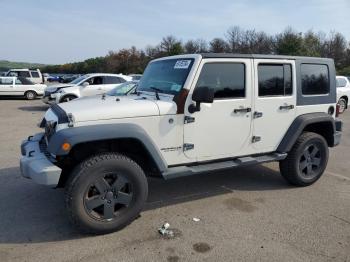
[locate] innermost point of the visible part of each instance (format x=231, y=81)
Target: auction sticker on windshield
x=182, y=64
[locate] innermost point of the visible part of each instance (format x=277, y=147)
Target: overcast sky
x=63, y=31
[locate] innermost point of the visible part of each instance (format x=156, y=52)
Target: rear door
x=110, y=82
x=275, y=101
x=223, y=128
x=6, y=86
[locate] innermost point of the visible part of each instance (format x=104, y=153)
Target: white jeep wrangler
x=191, y=114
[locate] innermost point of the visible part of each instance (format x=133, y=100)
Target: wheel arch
x=30, y=90
x=319, y=123
x=346, y=99
x=69, y=94
x=129, y=139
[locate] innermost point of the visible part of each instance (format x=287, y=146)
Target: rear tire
x=105, y=193
x=342, y=105
x=306, y=161
x=30, y=95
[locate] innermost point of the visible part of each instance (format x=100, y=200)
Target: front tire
x=342, y=105
x=105, y=193
x=67, y=98
x=30, y=95
x=306, y=161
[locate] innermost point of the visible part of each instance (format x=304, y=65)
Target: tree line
x=236, y=40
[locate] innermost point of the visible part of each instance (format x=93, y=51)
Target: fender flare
x=298, y=126
x=77, y=135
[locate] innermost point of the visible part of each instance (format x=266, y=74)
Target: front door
x=95, y=86
x=221, y=129
x=275, y=101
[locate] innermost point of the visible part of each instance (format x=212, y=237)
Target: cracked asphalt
x=246, y=214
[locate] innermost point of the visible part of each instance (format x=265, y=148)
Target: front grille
x=50, y=128
x=47, y=93
x=43, y=147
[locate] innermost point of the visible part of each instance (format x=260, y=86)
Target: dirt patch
x=173, y=258
x=201, y=247
x=239, y=204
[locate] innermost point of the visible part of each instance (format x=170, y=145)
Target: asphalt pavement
x=246, y=214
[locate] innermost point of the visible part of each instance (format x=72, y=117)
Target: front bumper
x=49, y=98
x=35, y=164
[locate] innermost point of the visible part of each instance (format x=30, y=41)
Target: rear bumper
x=36, y=165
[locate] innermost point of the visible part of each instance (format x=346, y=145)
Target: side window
x=111, y=80
x=341, y=82
x=18, y=81
x=275, y=79
x=227, y=79
x=97, y=80
x=6, y=81
x=35, y=74
x=23, y=74
x=314, y=79
x=13, y=73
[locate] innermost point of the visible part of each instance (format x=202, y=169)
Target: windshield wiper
x=156, y=90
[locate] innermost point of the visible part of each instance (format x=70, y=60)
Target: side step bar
x=179, y=171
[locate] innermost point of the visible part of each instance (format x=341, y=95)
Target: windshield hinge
x=187, y=147
x=189, y=119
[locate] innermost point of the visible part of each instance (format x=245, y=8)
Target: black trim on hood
x=60, y=113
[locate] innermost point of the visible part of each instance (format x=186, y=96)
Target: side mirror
x=200, y=95
x=85, y=84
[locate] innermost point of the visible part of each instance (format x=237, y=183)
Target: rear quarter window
x=314, y=79
x=35, y=74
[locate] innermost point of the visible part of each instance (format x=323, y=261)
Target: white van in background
x=18, y=86
x=34, y=75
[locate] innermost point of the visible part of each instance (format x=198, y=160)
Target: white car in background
x=343, y=92
x=86, y=85
x=33, y=75
x=17, y=86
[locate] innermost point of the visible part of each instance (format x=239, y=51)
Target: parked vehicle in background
x=46, y=76
x=20, y=86
x=54, y=78
x=67, y=78
x=86, y=85
x=135, y=76
x=192, y=114
x=343, y=92
x=33, y=75
x=126, y=88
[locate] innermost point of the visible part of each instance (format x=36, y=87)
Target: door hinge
x=257, y=114
x=189, y=119
x=256, y=139
x=188, y=147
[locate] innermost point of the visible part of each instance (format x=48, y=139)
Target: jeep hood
x=96, y=108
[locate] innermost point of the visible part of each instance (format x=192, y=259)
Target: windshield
x=167, y=76
x=122, y=89
x=78, y=80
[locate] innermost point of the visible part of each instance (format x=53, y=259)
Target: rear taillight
x=337, y=110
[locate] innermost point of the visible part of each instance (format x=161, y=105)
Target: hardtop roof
x=260, y=56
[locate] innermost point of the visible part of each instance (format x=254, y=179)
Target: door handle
x=286, y=107
x=242, y=110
